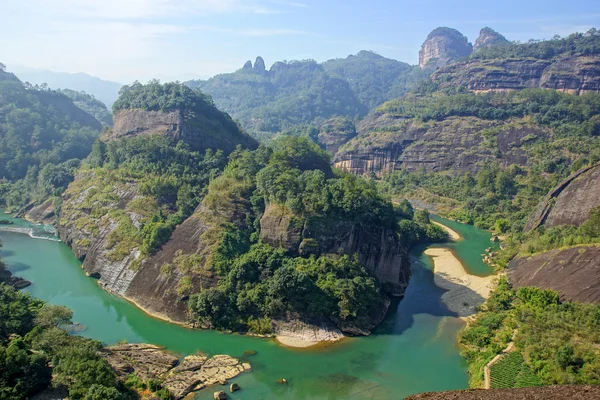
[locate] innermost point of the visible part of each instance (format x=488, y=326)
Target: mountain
x=305, y=92
x=105, y=91
x=489, y=38
x=89, y=104
x=242, y=243
x=43, y=135
x=443, y=46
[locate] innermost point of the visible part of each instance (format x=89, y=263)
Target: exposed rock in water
x=44, y=213
x=489, y=38
x=573, y=74
x=386, y=143
x=571, y=202
x=573, y=272
x=193, y=373
x=298, y=333
x=443, y=46
x=7, y=277
x=379, y=250
x=571, y=392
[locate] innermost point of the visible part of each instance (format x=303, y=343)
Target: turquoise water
x=414, y=350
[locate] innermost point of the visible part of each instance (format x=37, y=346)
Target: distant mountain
x=306, y=92
x=105, y=91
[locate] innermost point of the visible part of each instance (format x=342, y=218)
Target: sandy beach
x=464, y=291
x=451, y=233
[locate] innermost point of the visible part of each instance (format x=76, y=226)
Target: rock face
x=489, y=38
x=248, y=65
x=571, y=202
x=575, y=74
x=443, y=46
x=195, y=372
x=386, y=143
x=259, y=65
x=336, y=132
x=379, y=250
x=214, y=130
x=573, y=272
x=571, y=392
x=42, y=213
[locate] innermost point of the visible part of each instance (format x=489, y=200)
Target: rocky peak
x=488, y=38
x=248, y=65
x=259, y=64
x=443, y=46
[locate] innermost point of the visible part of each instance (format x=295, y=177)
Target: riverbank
x=464, y=291
x=452, y=234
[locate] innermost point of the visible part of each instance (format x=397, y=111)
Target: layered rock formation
x=571, y=202
x=336, y=132
x=212, y=130
x=379, y=250
x=193, y=373
x=443, y=46
x=386, y=143
x=489, y=38
x=574, y=74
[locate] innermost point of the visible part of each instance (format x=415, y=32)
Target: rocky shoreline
x=180, y=378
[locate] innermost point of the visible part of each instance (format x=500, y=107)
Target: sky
x=127, y=40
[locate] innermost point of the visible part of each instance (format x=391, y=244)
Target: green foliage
x=22, y=373
x=39, y=128
x=574, y=44
x=89, y=104
x=557, y=340
x=100, y=392
x=51, y=316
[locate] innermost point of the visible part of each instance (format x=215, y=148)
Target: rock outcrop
x=259, y=65
x=193, y=373
x=247, y=65
x=573, y=272
x=212, y=130
x=571, y=202
x=443, y=46
x=573, y=74
x=489, y=38
x=336, y=132
x=571, y=392
x=386, y=143
x=43, y=213
x=379, y=250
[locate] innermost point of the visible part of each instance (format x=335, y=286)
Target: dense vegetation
x=558, y=341
x=90, y=104
x=306, y=93
x=37, y=352
x=574, y=44
x=502, y=198
x=43, y=135
x=259, y=282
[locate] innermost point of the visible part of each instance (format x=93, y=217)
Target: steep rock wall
x=573, y=272
x=386, y=143
x=379, y=249
x=571, y=202
x=575, y=75
x=443, y=46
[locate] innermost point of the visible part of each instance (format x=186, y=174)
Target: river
x=414, y=350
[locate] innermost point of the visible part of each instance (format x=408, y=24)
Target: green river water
x=414, y=350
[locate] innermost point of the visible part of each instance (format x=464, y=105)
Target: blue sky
x=124, y=40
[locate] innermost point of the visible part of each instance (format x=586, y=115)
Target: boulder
x=234, y=387
x=221, y=395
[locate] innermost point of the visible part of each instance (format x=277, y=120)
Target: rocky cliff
x=573, y=74
x=213, y=130
x=379, y=250
x=571, y=202
x=336, y=132
x=489, y=38
x=573, y=272
x=443, y=46
x=386, y=142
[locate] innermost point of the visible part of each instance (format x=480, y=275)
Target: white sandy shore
x=464, y=291
x=451, y=233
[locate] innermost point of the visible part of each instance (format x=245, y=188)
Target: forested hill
x=306, y=92
x=43, y=135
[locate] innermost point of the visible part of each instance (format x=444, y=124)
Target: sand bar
x=451, y=233
x=464, y=291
